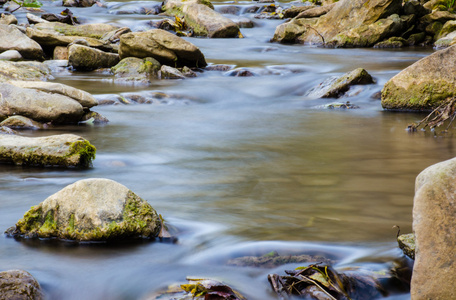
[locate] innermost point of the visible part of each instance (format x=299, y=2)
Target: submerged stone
x=93, y=209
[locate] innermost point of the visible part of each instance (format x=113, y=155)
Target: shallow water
x=238, y=165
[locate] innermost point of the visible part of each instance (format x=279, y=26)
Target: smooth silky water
x=237, y=166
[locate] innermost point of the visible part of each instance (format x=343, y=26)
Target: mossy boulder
x=30, y=70
x=65, y=150
x=393, y=42
x=86, y=58
x=165, y=47
x=14, y=39
x=434, y=225
x=18, y=285
x=137, y=70
x=90, y=210
x=424, y=84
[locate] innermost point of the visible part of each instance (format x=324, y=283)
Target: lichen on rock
x=90, y=210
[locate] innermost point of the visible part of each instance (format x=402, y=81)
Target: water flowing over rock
x=163, y=46
x=345, y=16
x=434, y=224
x=82, y=97
x=86, y=58
x=202, y=18
x=38, y=105
x=12, y=38
x=18, y=285
x=65, y=150
x=90, y=210
x=423, y=85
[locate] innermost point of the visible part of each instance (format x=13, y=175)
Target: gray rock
x=95, y=31
x=38, y=105
x=13, y=39
x=23, y=71
x=424, y=84
x=53, y=39
x=434, y=208
x=32, y=19
x=12, y=55
x=202, y=18
x=86, y=58
x=137, y=70
x=163, y=46
x=20, y=122
x=84, y=98
x=19, y=285
x=93, y=209
x=168, y=72
x=337, y=86
x=65, y=150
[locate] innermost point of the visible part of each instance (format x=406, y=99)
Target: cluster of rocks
x=381, y=24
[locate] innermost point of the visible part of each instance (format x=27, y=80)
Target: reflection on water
x=244, y=166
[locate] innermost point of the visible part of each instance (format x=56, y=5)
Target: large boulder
x=163, y=46
x=90, y=210
x=434, y=224
x=86, y=58
x=202, y=18
x=65, y=150
x=53, y=39
x=137, y=70
x=345, y=16
x=12, y=38
x=19, y=285
x=82, y=97
x=96, y=31
x=424, y=84
x=29, y=70
x=38, y=105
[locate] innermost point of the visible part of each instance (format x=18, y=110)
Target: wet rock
x=86, y=58
x=187, y=72
x=137, y=69
x=93, y=117
x=346, y=15
x=407, y=244
x=198, y=289
x=340, y=105
x=240, y=73
x=222, y=68
x=242, y=22
x=273, y=259
x=434, y=226
x=14, y=39
x=23, y=71
x=336, y=87
x=66, y=150
x=82, y=97
x=8, y=19
x=316, y=11
x=90, y=210
x=163, y=46
x=203, y=19
x=168, y=72
x=12, y=55
x=19, y=285
x=393, y=42
x=424, y=84
x=78, y=3
x=20, y=122
x=38, y=105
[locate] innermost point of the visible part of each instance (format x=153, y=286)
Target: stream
x=236, y=165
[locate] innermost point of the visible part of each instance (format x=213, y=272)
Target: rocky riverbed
x=262, y=137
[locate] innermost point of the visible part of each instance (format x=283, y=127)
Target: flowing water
x=237, y=165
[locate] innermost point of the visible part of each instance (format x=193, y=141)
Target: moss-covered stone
x=90, y=210
x=407, y=244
